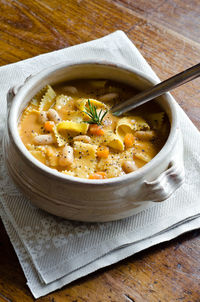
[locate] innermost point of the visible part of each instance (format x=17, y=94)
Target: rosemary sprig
x=96, y=118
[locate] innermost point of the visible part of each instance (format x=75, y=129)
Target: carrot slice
x=49, y=125
x=129, y=140
x=96, y=130
x=102, y=151
x=98, y=175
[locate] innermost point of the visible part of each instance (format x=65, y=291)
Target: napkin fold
x=53, y=251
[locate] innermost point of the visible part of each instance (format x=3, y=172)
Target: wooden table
x=167, y=34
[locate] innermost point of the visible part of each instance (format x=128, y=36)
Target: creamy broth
x=68, y=127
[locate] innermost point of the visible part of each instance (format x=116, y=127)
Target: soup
x=69, y=127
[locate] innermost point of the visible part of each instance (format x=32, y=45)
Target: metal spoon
x=157, y=90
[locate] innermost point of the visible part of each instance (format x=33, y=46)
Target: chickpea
x=108, y=97
x=42, y=118
x=53, y=115
x=129, y=166
x=67, y=157
x=82, y=138
x=145, y=135
x=71, y=89
x=44, y=139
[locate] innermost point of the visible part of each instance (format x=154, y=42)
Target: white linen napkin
x=52, y=251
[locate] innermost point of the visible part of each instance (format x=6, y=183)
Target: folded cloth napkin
x=52, y=251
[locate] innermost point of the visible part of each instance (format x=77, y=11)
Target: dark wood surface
x=167, y=34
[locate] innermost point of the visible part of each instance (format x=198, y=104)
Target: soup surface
x=69, y=128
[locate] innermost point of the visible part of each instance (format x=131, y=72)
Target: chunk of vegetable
x=72, y=127
x=102, y=151
x=49, y=125
x=129, y=140
x=96, y=130
x=98, y=175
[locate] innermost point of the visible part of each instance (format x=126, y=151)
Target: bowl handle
x=172, y=178
x=13, y=91
x=167, y=182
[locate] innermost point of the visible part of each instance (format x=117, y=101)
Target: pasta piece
x=130, y=125
x=27, y=119
x=61, y=101
x=47, y=99
x=97, y=84
x=84, y=149
x=112, y=140
x=30, y=109
x=110, y=88
x=52, y=155
x=111, y=166
x=28, y=112
x=37, y=98
x=39, y=155
x=61, y=141
x=32, y=147
x=139, y=123
x=143, y=156
x=156, y=120
x=127, y=155
x=72, y=115
x=164, y=131
x=69, y=126
x=84, y=159
x=109, y=139
x=108, y=120
x=81, y=105
x=35, y=103
x=144, y=150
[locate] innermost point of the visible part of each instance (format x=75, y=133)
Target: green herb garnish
x=96, y=118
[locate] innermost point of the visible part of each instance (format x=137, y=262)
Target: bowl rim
x=53, y=173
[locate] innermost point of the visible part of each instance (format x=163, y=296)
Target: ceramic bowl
x=83, y=199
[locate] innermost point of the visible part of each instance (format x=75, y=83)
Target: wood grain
x=167, y=34
x=180, y=16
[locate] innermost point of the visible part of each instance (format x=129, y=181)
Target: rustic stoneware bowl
x=83, y=199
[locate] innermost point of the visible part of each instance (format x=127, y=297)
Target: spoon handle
x=157, y=90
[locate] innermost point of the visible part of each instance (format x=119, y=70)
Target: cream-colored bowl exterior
x=83, y=199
